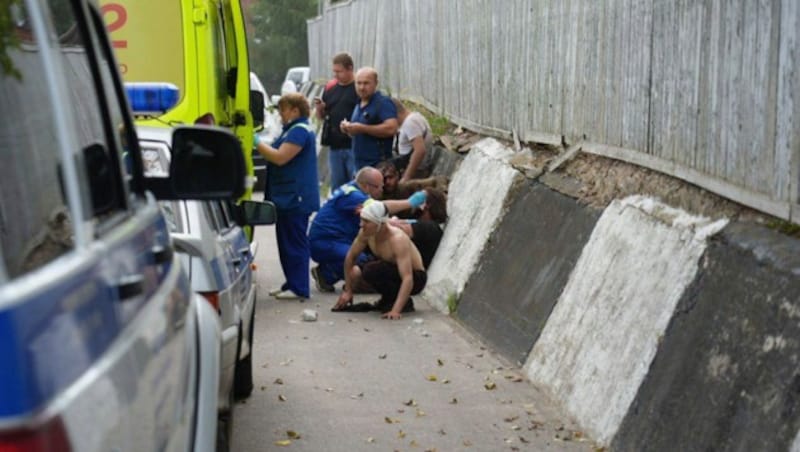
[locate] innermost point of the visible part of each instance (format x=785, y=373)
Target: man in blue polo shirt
x=373, y=124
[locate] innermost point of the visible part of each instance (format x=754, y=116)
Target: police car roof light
x=152, y=97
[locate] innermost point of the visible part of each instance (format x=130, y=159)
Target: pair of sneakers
x=286, y=294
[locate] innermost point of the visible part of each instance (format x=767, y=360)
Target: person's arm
x=356, y=248
x=417, y=155
x=398, y=205
x=402, y=254
x=319, y=107
x=386, y=129
x=281, y=156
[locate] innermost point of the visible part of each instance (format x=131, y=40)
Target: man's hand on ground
x=391, y=315
x=345, y=299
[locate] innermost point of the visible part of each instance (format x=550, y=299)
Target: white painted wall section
x=602, y=335
x=475, y=205
x=796, y=443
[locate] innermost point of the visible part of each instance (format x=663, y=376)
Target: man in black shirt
x=337, y=103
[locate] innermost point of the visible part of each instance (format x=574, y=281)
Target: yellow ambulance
x=185, y=62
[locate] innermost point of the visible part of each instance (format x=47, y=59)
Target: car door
x=94, y=308
x=238, y=255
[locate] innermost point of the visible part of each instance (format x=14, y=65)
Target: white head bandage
x=375, y=212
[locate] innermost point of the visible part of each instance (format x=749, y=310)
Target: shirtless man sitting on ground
x=396, y=274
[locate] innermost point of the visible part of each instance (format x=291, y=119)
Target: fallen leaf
x=432, y=377
x=446, y=381
x=283, y=443
x=401, y=434
x=453, y=401
x=281, y=398
x=442, y=432
x=328, y=389
x=357, y=396
x=467, y=443
x=292, y=434
x=430, y=450
x=383, y=356
x=410, y=402
x=367, y=330
x=515, y=427
x=390, y=420
x=413, y=443
x=287, y=362
x=370, y=440
x=420, y=413
x=278, y=381
x=523, y=440
x=577, y=434
x=263, y=388
x=439, y=362
x=490, y=386
x=511, y=418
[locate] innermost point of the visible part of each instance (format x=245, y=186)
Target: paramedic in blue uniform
x=336, y=225
x=292, y=186
x=373, y=124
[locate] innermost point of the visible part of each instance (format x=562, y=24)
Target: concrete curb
x=649, y=325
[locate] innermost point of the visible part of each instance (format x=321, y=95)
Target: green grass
x=785, y=227
x=452, y=303
x=439, y=124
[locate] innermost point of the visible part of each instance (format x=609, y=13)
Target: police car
x=103, y=345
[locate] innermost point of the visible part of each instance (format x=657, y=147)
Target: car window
x=35, y=224
x=97, y=116
x=217, y=216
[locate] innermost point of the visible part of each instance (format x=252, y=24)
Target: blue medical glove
x=256, y=140
x=417, y=199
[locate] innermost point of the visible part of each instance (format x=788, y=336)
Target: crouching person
x=396, y=274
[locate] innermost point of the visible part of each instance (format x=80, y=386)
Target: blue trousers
x=293, y=250
x=330, y=256
x=342, y=165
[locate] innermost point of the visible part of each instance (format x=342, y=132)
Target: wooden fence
x=704, y=90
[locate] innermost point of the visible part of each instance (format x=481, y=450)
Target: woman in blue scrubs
x=292, y=185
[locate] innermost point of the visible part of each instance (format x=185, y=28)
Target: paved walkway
x=352, y=382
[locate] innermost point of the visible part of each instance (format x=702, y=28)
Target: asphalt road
x=353, y=382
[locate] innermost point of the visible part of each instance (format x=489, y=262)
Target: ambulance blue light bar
x=152, y=97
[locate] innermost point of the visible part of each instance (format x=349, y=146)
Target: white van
x=297, y=76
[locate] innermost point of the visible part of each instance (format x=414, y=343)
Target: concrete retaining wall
x=727, y=372
x=526, y=265
x=653, y=329
x=475, y=202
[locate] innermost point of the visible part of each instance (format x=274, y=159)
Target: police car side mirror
x=207, y=164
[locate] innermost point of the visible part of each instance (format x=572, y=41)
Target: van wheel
x=243, y=376
x=225, y=426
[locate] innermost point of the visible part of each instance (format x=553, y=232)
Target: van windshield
x=147, y=37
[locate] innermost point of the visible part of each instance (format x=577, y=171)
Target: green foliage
x=278, y=38
x=452, y=303
x=8, y=38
